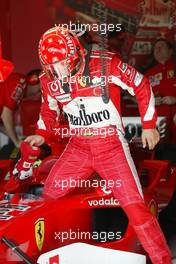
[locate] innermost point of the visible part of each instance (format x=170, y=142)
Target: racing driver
x=71, y=80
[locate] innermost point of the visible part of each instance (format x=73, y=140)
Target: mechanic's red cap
x=33, y=77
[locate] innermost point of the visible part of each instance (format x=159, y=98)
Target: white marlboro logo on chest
x=85, y=119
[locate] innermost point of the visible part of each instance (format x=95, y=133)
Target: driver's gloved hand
x=23, y=168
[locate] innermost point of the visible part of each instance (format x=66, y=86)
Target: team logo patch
x=55, y=88
x=158, y=76
x=85, y=119
x=22, y=80
x=63, y=98
x=7, y=177
x=138, y=79
x=153, y=207
x=82, y=81
x=170, y=74
x=153, y=81
x=122, y=67
x=130, y=74
x=26, y=165
x=39, y=233
x=37, y=163
x=18, y=93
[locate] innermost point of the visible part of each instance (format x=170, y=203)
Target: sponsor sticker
x=7, y=209
x=122, y=67
x=26, y=164
x=158, y=76
x=82, y=81
x=103, y=202
x=170, y=74
x=130, y=74
x=22, y=80
x=138, y=79
x=55, y=88
x=37, y=163
x=5, y=217
x=15, y=207
x=154, y=81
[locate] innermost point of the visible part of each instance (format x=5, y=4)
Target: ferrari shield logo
x=37, y=163
x=39, y=232
x=82, y=81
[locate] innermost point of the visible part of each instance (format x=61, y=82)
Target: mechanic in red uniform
x=33, y=84
x=163, y=81
x=174, y=118
x=11, y=93
x=65, y=62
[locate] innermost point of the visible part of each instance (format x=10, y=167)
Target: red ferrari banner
x=127, y=6
x=157, y=13
x=158, y=21
x=126, y=13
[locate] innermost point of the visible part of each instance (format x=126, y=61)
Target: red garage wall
x=22, y=23
x=5, y=28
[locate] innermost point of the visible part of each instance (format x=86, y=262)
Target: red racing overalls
x=108, y=155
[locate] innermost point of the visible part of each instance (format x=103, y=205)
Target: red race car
x=31, y=225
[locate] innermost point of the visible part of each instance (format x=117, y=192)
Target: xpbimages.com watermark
x=102, y=132
x=86, y=79
x=82, y=183
x=63, y=236
x=103, y=28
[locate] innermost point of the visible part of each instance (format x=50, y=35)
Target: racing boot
x=149, y=233
x=153, y=242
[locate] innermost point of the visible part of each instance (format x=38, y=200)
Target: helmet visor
x=64, y=68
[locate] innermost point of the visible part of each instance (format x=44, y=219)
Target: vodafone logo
x=54, y=87
x=104, y=202
x=53, y=50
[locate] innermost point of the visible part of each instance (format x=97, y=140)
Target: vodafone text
x=104, y=202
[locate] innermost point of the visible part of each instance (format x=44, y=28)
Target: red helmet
x=60, y=53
